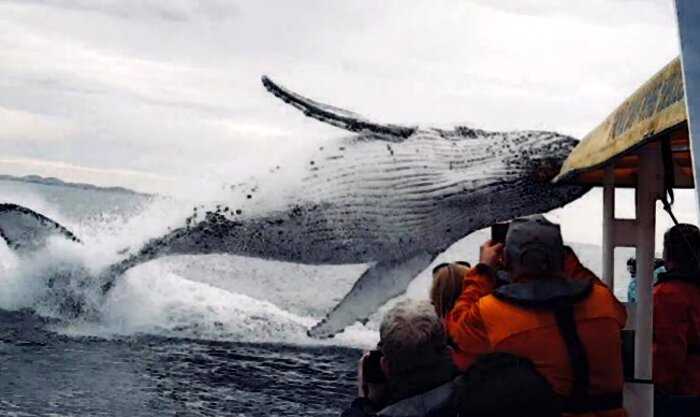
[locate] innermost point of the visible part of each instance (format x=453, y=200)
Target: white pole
x=609, y=227
x=639, y=397
x=649, y=187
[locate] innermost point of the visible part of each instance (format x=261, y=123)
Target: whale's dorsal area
x=25, y=230
x=338, y=117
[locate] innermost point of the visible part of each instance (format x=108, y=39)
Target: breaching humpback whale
x=391, y=196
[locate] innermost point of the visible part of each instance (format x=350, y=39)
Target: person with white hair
x=411, y=373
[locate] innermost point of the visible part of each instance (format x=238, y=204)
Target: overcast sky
x=149, y=93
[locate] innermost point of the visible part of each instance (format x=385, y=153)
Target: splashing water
x=213, y=297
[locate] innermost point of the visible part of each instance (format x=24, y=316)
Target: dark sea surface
x=43, y=373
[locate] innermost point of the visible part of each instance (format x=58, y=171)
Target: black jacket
x=438, y=402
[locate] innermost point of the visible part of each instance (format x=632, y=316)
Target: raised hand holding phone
x=499, y=232
x=491, y=254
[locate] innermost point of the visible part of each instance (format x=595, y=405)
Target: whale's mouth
x=548, y=156
x=547, y=169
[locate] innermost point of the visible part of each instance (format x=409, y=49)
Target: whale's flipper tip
x=24, y=230
x=380, y=283
x=317, y=333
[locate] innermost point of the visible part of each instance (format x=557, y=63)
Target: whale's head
x=535, y=159
x=543, y=154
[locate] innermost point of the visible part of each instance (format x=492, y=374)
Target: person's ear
x=384, y=364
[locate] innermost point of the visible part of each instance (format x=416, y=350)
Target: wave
x=152, y=300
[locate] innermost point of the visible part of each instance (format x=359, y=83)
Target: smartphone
x=499, y=232
x=372, y=369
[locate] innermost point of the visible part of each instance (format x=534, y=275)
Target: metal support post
x=608, y=227
x=640, y=396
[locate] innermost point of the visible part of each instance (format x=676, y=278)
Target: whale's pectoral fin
x=376, y=286
x=337, y=117
x=25, y=230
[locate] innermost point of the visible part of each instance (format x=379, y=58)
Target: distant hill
x=36, y=179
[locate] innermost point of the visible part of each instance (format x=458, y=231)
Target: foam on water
x=152, y=300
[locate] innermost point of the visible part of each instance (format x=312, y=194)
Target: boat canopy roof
x=656, y=111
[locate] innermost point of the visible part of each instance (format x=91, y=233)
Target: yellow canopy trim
x=655, y=107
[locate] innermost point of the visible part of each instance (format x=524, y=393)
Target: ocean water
x=46, y=373
x=211, y=335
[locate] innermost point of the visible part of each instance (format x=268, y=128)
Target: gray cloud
x=172, y=87
x=171, y=10
x=598, y=12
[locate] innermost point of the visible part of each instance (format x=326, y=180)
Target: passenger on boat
x=676, y=369
x=415, y=375
x=632, y=286
x=632, y=268
x=659, y=268
x=448, y=282
x=419, y=380
x=568, y=326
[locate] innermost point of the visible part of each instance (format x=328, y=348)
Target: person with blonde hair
x=447, y=287
x=448, y=281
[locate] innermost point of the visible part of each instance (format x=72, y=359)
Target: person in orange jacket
x=676, y=360
x=448, y=283
x=569, y=327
